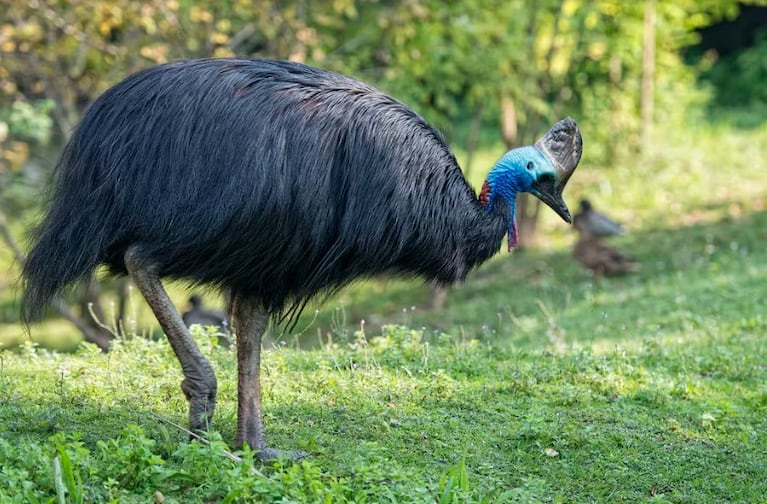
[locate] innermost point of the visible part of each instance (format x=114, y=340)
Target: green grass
x=679, y=419
x=535, y=383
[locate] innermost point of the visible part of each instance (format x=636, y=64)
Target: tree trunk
x=123, y=289
x=509, y=126
x=528, y=209
x=101, y=338
x=473, y=140
x=437, y=296
x=648, y=76
x=616, y=75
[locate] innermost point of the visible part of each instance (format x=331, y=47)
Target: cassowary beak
x=563, y=146
x=545, y=189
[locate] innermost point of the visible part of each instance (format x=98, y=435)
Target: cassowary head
x=542, y=169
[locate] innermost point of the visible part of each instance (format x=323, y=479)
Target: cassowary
x=197, y=314
x=591, y=251
x=277, y=181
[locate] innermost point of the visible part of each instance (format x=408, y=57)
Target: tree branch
x=8, y=239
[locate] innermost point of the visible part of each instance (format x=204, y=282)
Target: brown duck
x=591, y=251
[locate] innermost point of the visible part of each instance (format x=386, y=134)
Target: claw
x=273, y=455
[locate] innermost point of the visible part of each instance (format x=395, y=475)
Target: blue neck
x=504, y=182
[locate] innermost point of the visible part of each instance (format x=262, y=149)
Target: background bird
x=591, y=222
x=277, y=181
x=591, y=251
x=197, y=314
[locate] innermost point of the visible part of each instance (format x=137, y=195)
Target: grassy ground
x=535, y=383
x=678, y=419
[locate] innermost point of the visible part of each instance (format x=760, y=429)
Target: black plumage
x=276, y=181
x=180, y=158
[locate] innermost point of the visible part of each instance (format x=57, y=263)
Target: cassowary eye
x=530, y=165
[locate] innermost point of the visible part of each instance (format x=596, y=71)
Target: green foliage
x=454, y=484
x=29, y=121
x=674, y=417
x=751, y=67
x=24, y=126
x=737, y=82
x=67, y=479
x=549, y=57
x=521, y=64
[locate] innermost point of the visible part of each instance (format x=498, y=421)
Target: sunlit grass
x=675, y=416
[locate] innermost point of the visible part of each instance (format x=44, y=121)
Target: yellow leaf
x=219, y=38
x=16, y=154
x=157, y=53
x=105, y=27
x=30, y=31
x=222, y=52
x=7, y=30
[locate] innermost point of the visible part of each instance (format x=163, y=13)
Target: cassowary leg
x=199, y=383
x=250, y=320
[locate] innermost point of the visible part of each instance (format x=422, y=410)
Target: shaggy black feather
x=273, y=179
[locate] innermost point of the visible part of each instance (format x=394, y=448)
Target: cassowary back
x=273, y=179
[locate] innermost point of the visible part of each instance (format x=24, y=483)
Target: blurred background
x=670, y=96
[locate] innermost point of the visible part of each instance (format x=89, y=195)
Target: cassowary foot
x=202, y=402
x=273, y=455
x=252, y=435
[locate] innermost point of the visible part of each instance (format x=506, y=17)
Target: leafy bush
x=738, y=81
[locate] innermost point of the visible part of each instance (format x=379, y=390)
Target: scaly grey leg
x=199, y=383
x=250, y=320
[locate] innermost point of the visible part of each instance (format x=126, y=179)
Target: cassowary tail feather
x=67, y=245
